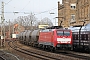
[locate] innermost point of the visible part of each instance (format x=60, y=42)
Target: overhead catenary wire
x=46, y=11
x=8, y=2
x=35, y=14
x=25, y=6
x=21, y=11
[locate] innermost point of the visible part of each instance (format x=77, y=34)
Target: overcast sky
x=41, y=8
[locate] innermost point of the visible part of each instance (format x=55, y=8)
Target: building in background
x=83, y=11
x=14, y=29
x=67, y=12
x=73, y=12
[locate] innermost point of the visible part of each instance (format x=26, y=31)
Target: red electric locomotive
x=56, y=38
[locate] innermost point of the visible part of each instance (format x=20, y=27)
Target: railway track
x=33, y=54
x=2, y=58
x=75, y=54
x=40, y=54
x=1, y=55
x=6, y=56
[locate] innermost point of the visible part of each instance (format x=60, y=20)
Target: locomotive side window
x=60, y=33
x=66, y=33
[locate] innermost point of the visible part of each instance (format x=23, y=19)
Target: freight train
x=48, y=38
x=61, y=38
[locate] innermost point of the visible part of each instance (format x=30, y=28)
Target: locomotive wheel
x=53, y=49
x=44, y=47
x=40, y=46
x=32, y=44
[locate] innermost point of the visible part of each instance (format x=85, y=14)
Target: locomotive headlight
x=69, y=42
x=59, y=41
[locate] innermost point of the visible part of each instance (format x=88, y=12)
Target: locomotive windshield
x=60, y=33
x=63, y=33
x=67, y=33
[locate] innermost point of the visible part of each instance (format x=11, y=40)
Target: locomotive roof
x=54, y=27
x=46, y=30
x=61, y=29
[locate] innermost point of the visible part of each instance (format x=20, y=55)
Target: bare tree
x=27, y=21
x=46, y=21
x=31, y=22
